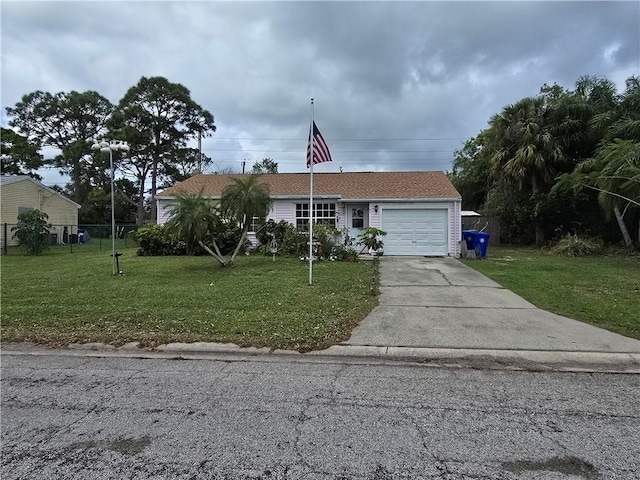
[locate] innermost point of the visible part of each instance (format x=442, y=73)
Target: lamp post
x=112, y=146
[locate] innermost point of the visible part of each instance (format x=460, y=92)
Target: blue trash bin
x=470, y=238
x=482, y=240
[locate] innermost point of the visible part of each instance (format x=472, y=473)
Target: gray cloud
x=428, y=72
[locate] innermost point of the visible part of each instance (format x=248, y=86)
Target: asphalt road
x=80, y=417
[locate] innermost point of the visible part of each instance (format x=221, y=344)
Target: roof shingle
x=349, y=186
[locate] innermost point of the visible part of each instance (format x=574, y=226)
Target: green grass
x=61, y=298
x=601, y=290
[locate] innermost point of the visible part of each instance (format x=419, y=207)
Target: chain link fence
x=73, y=238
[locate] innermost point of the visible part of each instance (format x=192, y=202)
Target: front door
x=357, y=220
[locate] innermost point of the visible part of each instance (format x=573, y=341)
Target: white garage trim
x=416, y=230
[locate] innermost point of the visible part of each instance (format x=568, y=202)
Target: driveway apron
x=442, y=303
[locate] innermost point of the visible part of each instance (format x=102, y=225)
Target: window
x=255, y=224
x=324, y=213
x=22, y=210
x=357, y=218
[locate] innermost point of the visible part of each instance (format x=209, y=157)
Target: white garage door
x=415, y=231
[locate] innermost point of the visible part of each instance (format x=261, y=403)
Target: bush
x=573, y=245
x=326, y=235
x=342, y=253
x=32, y=231
x=153, y=242
x=371, y=239
x=227, y=241
x=289, y=240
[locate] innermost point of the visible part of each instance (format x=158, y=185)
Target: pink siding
x=374, y=218
x=284, y=210
x=455, y=221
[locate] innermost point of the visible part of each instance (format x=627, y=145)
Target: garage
x=415, y=231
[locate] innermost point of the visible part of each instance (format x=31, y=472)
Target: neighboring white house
x=420, y=211
x=21, y=193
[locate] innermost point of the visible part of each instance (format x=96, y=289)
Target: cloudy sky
x=397, y=85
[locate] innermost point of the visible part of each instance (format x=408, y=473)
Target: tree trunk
x=213, y=254
x=622, y=225
x=77, y=183
x=154, y=179
x=540, y=238
x=539, y=228
x=140, y=214
x=242, y=239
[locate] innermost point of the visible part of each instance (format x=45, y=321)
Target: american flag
x=320, y=150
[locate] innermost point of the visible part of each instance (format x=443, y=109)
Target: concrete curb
x=517, y=360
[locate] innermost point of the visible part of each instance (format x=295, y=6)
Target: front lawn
x=601, y=290
x=62, y=297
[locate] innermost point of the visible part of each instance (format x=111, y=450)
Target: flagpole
x=312, y=140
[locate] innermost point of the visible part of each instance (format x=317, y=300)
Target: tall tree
x=471, y=172
x=614, y=171
x=157, y=118
x=267, y=165
x=18, y=155
x=527, y=154
x=186, y=163
x=66, y=121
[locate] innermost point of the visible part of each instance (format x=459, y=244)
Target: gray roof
x=9, y=179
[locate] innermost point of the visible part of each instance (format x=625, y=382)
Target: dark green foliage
x=19, y=156
x=470, y=174
x=67, y=121
x=326, y=235
x=371, y=239
x=267, y=165
x=544, y=160
x=289, y=240
x=153, y=241
x=342, y=253
x=228, y=239
x=158, y=118
x=32, y=231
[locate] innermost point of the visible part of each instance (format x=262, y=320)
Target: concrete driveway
x=442, y=303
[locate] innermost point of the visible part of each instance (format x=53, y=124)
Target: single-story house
x=420, y=211
x=21, y=193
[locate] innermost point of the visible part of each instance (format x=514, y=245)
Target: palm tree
x=241, y=201
x=197, y=220
x=615, y=173
x=194, y=219
x=526, y=152
x=614, y=169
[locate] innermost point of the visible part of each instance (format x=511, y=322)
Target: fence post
x=5, y=241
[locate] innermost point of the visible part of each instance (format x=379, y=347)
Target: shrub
x=153, y=241
x=342, y=253
x=371, y=239
x=326, y=235
x=573, y=245
x=32, y=231
x=227, y=241
x=290, y=241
